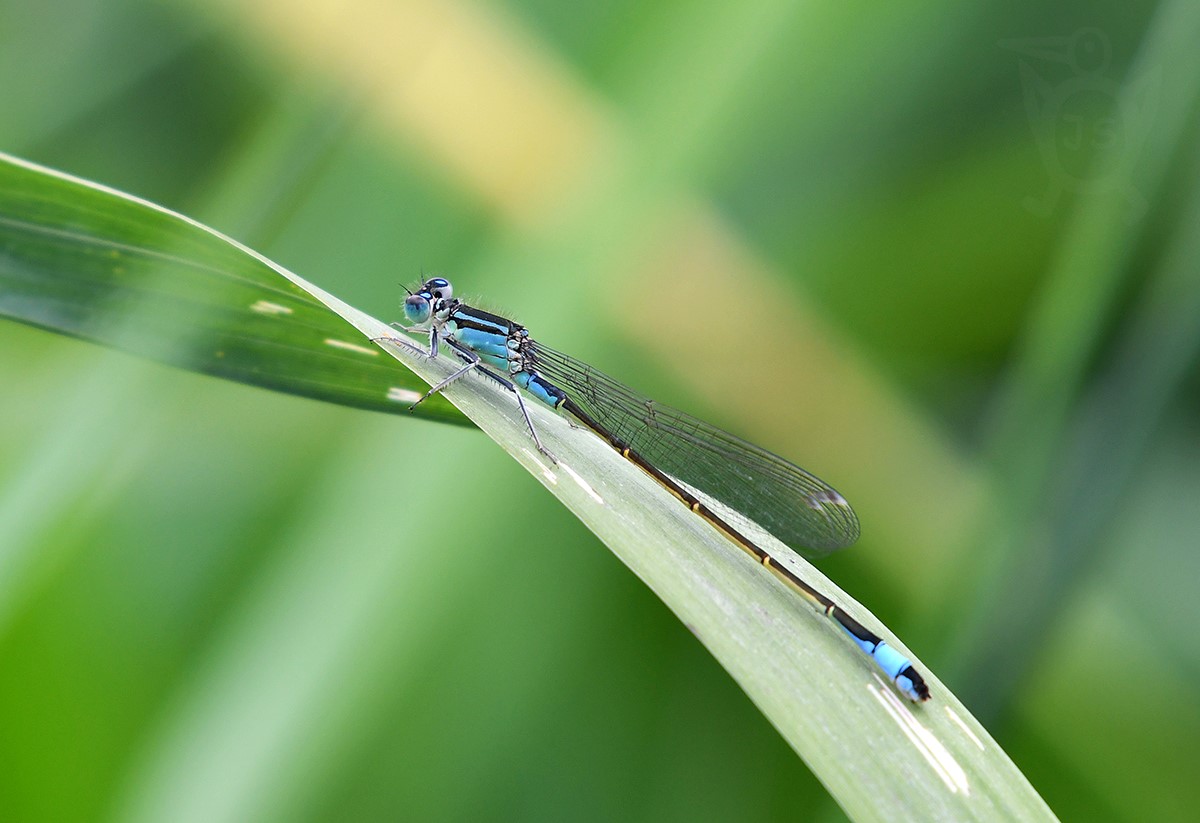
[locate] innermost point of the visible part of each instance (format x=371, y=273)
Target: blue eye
x=438, y=287
x=417, y=308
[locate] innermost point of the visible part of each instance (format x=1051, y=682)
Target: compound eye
x=439, y=287
x=417, y=309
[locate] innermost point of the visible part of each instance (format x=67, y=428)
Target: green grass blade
x=96, y=264
x=880, y=757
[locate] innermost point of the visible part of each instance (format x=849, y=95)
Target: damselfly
x=688, y=456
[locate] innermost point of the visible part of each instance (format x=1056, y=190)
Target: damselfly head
x=430, y=299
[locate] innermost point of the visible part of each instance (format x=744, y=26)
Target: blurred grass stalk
x=1063, y=451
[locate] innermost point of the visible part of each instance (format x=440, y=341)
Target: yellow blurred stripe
x=485, y=100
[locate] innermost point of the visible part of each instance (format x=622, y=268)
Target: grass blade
x=86, y=261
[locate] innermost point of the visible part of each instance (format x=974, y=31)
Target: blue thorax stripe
x=467, y=317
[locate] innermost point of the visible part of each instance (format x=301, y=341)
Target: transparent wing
x=801, y=510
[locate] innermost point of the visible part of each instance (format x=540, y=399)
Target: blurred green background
x=944, y=255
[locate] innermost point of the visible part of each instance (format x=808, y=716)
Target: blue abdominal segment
x=895, y=665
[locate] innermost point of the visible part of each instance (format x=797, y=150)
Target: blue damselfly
x=689, y=457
